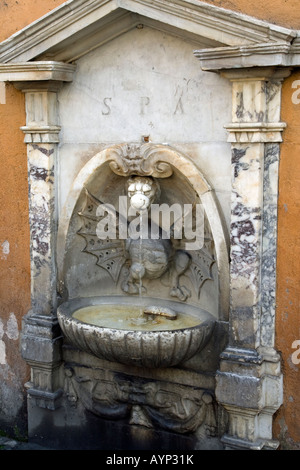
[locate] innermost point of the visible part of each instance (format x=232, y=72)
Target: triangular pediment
x=79, y=26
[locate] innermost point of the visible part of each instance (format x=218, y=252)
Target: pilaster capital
x=41, y=134
x=255, y=132
x=40, y=81
x=41, y=113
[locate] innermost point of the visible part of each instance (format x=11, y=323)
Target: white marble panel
x=146, y=83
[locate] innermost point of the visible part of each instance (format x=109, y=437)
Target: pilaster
x=42, y=136
x=249, y=381
x=41, y=337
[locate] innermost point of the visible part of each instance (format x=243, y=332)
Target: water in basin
x=121, y=317
x=117, y=331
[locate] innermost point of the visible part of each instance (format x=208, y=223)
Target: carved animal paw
x=181, y=292
x=132, y=288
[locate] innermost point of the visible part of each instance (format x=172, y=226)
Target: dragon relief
x=145, y=256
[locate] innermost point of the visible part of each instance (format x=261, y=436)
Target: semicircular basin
x=114, y=328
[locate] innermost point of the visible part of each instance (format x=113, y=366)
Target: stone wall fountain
x=137, y=309
x=143, y=258
x=137, y=341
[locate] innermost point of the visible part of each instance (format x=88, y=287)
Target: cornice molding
x=243, y=28
x=250, y=56
x=37, y=71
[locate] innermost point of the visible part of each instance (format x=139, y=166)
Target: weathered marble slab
x=139, y=88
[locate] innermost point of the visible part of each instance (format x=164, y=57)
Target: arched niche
x=161, y=162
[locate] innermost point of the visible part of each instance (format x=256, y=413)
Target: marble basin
x=116, y=329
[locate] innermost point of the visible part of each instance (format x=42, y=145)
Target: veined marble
x=246, y=223
x=269, y=249
x=254, y=132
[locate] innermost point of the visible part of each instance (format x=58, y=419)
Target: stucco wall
x=287, y=422
x=14, y=230
x=14, y=257
x=282, y=12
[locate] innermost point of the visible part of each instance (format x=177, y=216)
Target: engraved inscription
x=179, y=107
x=144, y=106
x=144, y=102
x=107, y=106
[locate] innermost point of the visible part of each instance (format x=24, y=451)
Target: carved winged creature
x=147, y=256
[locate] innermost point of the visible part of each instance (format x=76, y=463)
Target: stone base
x=66, y=429
x=232, y=443
x=109, y=406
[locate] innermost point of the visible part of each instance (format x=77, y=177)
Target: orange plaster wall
x=14, y=251
x=15, y=267
x=14, y=203
x=287, y=422
x=15, y=15
x=282, y=12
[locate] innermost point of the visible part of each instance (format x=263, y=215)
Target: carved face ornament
x=141, y=192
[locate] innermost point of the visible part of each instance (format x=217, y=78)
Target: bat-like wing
x=200, y=268
x=202, y=255
x=110, y=253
